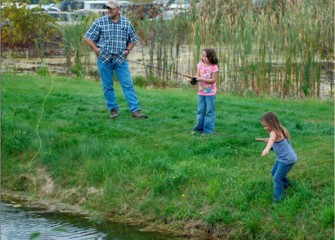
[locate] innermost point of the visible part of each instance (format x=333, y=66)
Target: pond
x=30, y=223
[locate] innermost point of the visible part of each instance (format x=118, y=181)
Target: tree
x=26, y=28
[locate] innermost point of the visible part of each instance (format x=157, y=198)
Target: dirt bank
x=192, y=230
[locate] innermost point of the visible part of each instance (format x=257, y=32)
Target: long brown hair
x=272, y=120
x=211, y=55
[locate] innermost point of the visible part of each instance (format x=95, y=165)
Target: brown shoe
x=114, y=113
x=138, y=114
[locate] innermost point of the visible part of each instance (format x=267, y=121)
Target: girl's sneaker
x=114, y=113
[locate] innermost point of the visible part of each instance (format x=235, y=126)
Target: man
x=112, y=37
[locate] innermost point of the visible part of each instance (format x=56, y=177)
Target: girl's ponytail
x=285, y=132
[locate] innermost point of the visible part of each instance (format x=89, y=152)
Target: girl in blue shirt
x=286, y=156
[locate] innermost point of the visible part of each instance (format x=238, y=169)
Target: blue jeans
x=122, y=72
x=280, y=181
x=205, y=114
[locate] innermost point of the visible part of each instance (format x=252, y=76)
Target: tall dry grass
x=276, y=49
x=279, y=48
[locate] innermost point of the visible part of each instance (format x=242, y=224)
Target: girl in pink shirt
x=207, y=75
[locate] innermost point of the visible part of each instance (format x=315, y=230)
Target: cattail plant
x=272, y=47
x=73, y=39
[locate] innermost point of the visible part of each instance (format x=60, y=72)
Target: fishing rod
x=193, y=80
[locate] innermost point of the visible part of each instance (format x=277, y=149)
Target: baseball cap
x=112, y=4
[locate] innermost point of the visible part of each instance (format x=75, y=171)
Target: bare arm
x=262, y=139
x=197, y=75
x=92, y=45
x=271, y=140
x=130, y=46
x=213, y=79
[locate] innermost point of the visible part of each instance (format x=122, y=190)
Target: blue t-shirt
x=285, y=152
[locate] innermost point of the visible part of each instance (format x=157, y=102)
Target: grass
x=156, y=171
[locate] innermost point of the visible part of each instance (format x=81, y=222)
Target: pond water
x=23, y=223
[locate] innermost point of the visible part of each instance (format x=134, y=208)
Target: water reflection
x=21, y=223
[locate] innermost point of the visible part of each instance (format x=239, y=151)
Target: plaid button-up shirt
x=112, y=38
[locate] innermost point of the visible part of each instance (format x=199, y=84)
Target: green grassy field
x=156, y=171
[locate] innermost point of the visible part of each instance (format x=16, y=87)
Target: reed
x=73, y=46
x=265, y=47
x=163, y=39
x=276, y=48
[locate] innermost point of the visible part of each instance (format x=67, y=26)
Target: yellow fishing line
x=39, y=140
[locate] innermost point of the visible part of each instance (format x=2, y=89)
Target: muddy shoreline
x=23, y=199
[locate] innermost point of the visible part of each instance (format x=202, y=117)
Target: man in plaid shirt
x=112, y=37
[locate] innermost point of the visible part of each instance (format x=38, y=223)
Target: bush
x=26, y=28
x=43, y=70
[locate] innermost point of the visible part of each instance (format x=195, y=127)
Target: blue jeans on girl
x=280, y=181
x=205, y=114
x=122, y=72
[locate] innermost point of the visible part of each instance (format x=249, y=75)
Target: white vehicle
x=179, y=4
x=45, y=7
x=175, y=4
x=89, y=5
x=65, y=18
x=173, y=8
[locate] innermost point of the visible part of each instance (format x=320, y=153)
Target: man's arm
x=92, y=45
x=129, y=47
